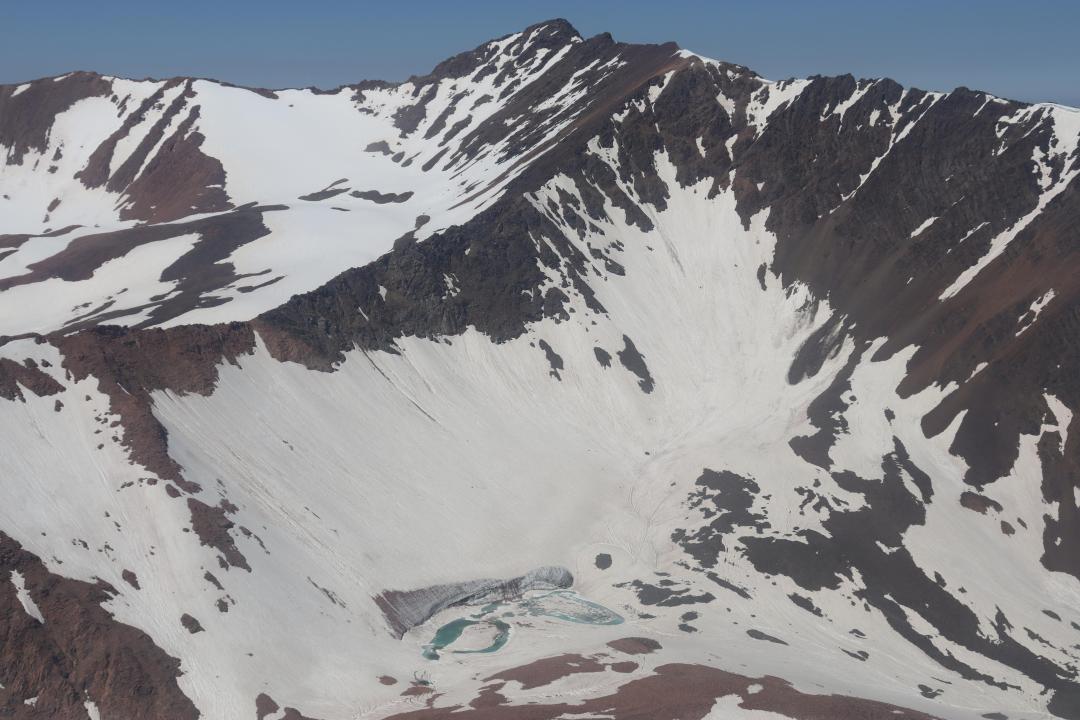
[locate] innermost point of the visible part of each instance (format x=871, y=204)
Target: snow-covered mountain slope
x=105, y=180
x=699, y=395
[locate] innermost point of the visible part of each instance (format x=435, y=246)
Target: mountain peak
x=555, y=26
x=550, y=35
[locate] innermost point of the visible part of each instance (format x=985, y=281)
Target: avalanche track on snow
x=574, y=379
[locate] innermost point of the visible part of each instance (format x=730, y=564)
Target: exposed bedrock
x=405, y=609
x=64, y=655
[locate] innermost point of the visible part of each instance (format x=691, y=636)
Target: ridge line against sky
x=1019, y=51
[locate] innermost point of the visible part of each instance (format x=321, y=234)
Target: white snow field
x=274, y=150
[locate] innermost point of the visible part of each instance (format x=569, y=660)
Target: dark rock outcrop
x=80, y=653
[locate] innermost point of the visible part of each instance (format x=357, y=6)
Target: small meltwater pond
x=488, y=630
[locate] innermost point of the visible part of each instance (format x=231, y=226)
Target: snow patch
x=23, y=594
x=1028, y=319
x=922, y=227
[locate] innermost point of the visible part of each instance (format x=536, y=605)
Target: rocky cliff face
x=783, y=368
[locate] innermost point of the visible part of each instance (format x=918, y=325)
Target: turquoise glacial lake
x=562, y=605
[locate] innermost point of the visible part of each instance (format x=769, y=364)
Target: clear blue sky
x=1028, y=50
